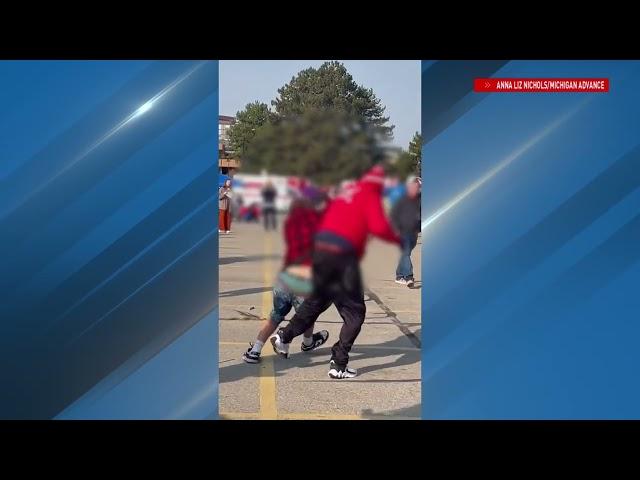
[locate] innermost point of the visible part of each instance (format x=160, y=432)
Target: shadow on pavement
x=297, y=359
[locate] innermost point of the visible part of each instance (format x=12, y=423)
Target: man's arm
x=395, y=210
x=377, y=222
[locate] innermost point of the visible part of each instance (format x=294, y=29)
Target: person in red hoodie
x=338, y=248
x=299, y=229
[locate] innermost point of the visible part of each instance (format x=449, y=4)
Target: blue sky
x=395, y=82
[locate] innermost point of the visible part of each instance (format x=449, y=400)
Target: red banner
x=538, y=85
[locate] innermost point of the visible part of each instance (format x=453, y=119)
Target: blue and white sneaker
x=319, y=338
x=250, y=356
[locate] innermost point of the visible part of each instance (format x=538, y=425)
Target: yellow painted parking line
x=268, y=399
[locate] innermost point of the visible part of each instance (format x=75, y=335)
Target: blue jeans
x=405, y=267
x=283, y=301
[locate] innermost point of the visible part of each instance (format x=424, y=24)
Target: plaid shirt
x=299, y=229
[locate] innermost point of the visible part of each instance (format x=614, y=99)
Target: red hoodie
x=357, y=213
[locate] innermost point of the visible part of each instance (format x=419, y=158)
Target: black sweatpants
x=269, y=214
x=337, y=280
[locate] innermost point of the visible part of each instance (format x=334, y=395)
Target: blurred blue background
x=531, y=242
x=108, y=264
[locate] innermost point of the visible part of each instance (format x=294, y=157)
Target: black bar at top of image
x=267, y=33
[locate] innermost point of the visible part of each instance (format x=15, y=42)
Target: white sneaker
x=279, y=346
x=228, y=231
x=337, y=373
x=401, y=281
